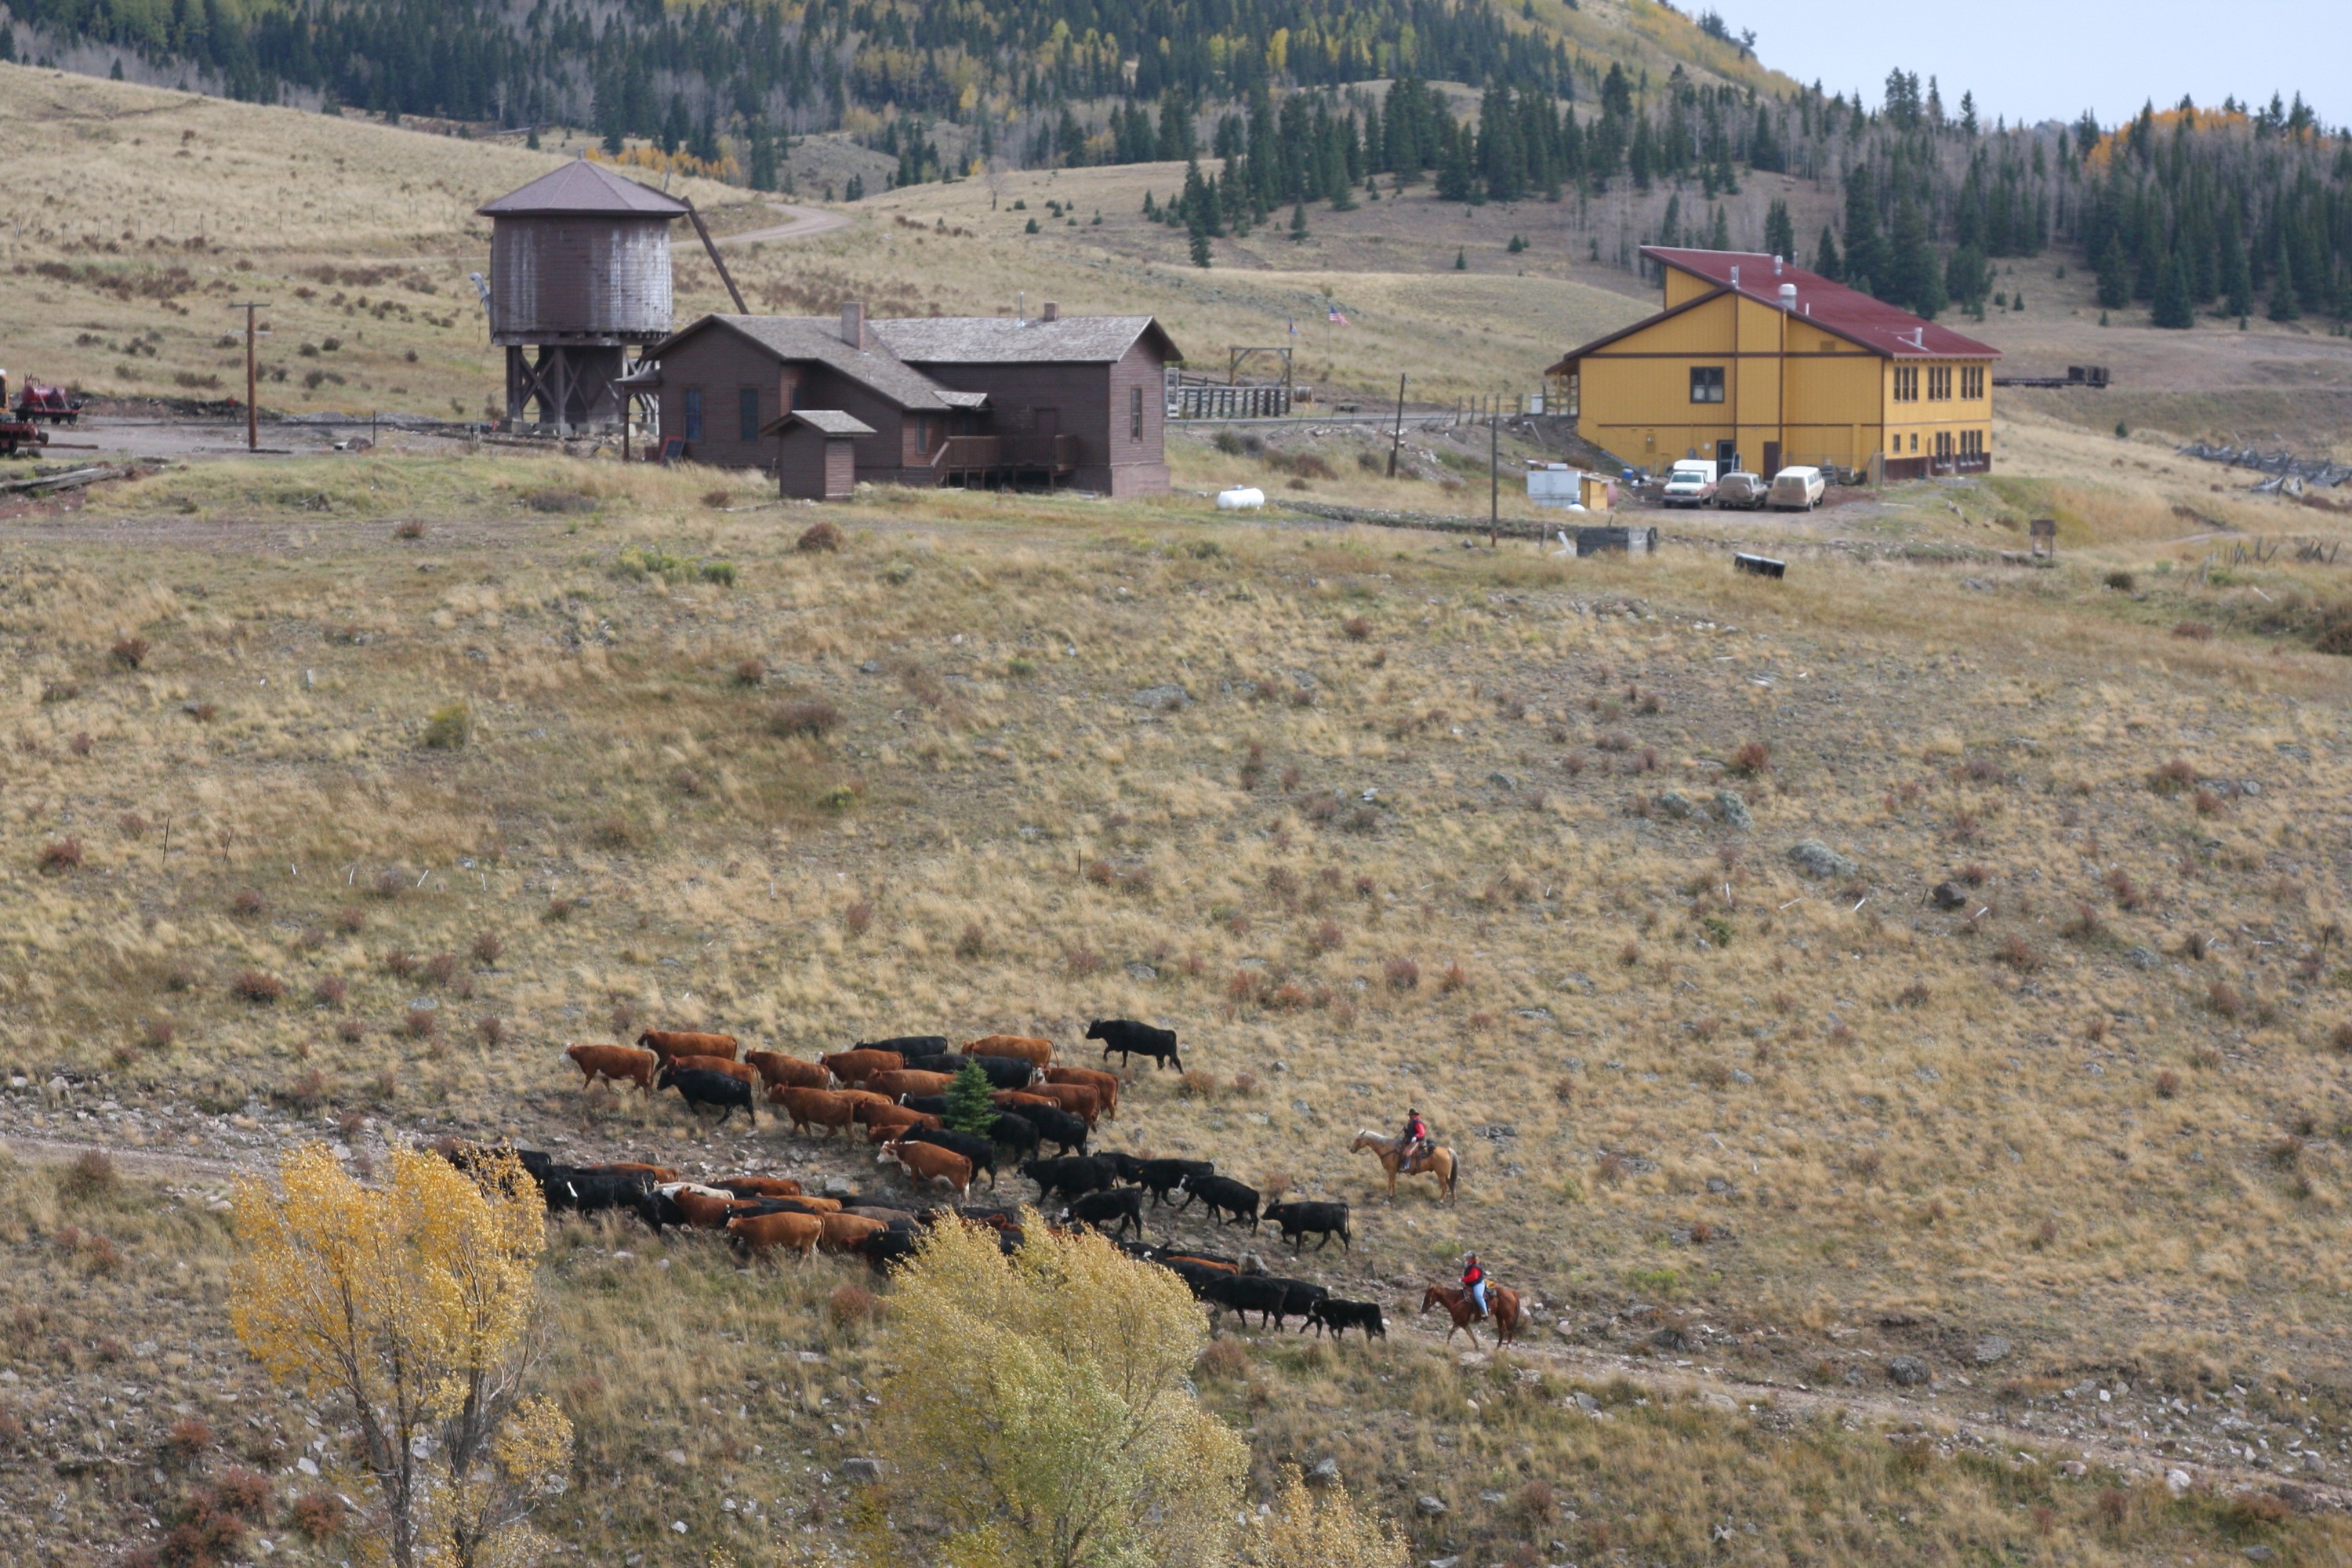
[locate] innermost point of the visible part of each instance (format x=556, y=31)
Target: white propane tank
x=1241, y=498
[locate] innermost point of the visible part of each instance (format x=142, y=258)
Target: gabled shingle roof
x=1846, y=312
x=581, y=188
x=1000, y=340
x=818, y=339
x=832, y=421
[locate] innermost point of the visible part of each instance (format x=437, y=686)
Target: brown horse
x=1439, y=1162
x=1503, y=1301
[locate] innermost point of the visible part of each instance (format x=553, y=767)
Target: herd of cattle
x=895, y=1090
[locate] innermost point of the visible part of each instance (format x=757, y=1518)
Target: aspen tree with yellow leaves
x=409, y=1308
x=1328, y=1532
x=1040, y=1416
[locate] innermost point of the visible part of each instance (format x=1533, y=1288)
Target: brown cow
x=906, y=1081
x=863, y=1096
x=741, y=1072
x=856, y=1067
x=631, y=1167
x=812, y=1108
x=757, y=1187
x=889, y=1132
x=616, y=1064
x=1105, y=1084
x=929, y=1163
x=668, y=1043
x=1078, y=1098
x=702, y=1208
x=869, y=1114
x=842, y=1231
x=1036, y=1052
x=777, y=1068
x=1004, y=1097
x=762, y=1233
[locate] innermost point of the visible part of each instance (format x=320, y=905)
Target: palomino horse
x=1439, y=1162
x=1502, y=1301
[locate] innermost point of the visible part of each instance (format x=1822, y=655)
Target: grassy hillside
x=1436, y=825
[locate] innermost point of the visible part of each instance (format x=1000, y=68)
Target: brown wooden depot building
x=968, y=400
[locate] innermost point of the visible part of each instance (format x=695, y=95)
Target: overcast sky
x=2040, y=59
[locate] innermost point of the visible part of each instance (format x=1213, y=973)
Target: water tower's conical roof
x=580, y=187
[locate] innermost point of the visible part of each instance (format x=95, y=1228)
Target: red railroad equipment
x=17, y=432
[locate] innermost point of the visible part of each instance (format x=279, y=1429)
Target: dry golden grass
x=726, y=1399
x=627, y=824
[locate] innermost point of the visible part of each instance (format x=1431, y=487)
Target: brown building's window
x=747, y=414
x=693, y=414
x=1706, y=383
x=1135, y=414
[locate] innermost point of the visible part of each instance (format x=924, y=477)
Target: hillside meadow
x=1914, y=955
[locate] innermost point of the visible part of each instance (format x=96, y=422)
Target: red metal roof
x=1847, y=312
x=586, y=189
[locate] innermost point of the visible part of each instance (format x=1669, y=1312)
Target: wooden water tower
x=579, y=270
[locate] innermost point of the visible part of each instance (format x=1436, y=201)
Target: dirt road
x=805, y=223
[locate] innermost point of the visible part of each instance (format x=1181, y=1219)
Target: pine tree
x=1779, y=230
x=1865, y=256
x=1461, y=262
x=970, y=1109
x=1298, y=224
x=1826, y=260
x=1912, y=280
x=1719, y=236
x=2282, y=305
x=2237, y=277
x=2172, y=307
x=2114, y=278
x=1201, y=253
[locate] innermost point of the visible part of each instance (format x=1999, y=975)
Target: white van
x=1798, y=490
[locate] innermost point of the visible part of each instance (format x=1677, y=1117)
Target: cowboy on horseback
x=1414, y=1143
x=1474, y=1284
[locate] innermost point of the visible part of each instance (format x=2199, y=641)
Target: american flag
x=1336, y=318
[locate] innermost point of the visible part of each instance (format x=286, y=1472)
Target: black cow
x=971, y=1145
x=927, y=1104
x=1222, y=1195
x=1243, y=1294
x=1126, y=1167
x=571, y=1189
x=1300, y=1298
x=937, y=1061
x=1300, y=1220
x=1057, y=1126
x=1160, y=1177
x=885, y=1249
x=1197, y=1277
x=1339, y=1316
x=1120, y=1208
x=1017, y=1134
x=1006, y=1072
x=700, y=1086
x=1074, y=1176
x=909, y=1045
x=1129, y=1037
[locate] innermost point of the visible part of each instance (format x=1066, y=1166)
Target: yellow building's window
x=1939, y=384
x=1972, y=382
x=1706, y=383
x=1907, y=384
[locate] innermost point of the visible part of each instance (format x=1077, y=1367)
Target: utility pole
x=252, y=415
x=1494, y=476
x=1397, y=440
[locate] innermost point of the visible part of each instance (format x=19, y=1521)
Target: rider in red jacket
x=1416, y=1135
x=1474, y=1282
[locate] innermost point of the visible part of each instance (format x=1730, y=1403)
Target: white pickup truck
x=1690, y=482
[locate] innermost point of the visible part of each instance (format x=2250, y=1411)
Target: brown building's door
x=1771, y=459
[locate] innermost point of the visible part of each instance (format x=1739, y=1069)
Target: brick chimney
x=853, y=323
x=1053, y=312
